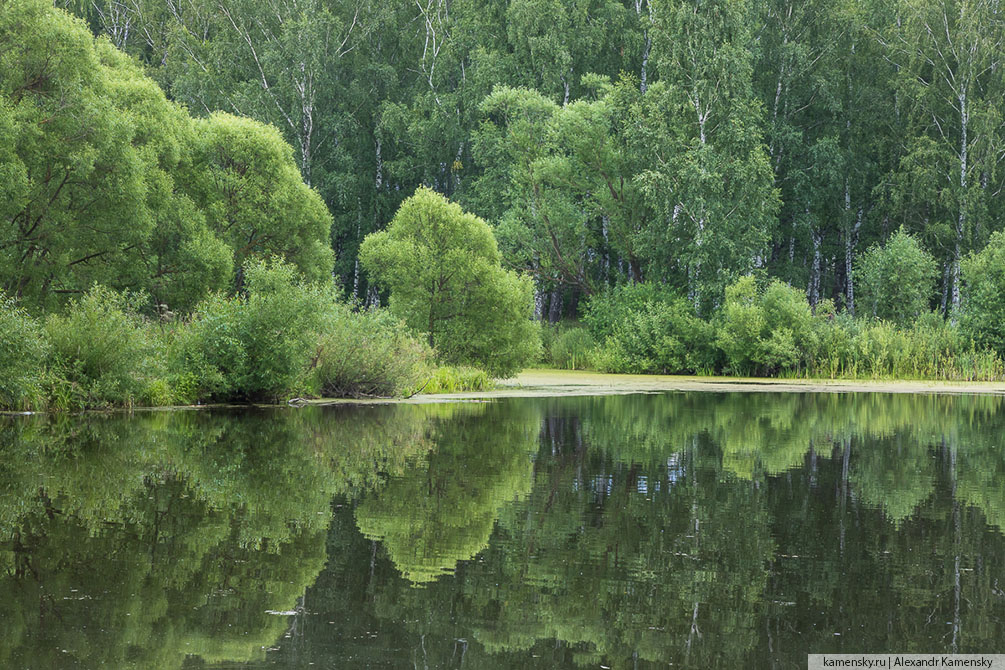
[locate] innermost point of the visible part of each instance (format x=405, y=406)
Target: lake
x=701, y=530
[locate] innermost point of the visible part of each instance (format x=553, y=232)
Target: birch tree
x=708, y=178
x=949, y=56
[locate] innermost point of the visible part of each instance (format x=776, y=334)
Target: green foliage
x=574, y=349
x=932, y=348
x=104, y=180
x=282, y=336
x=983, y=316
x=706, y=172
x=367, y=353
x=606, y=309
x=772, y=331
x=560, y=181
x=769, y=331
x=457, y=379
x=442, y=267
x=100, y=352
x=256, y=346
x=665, y=165
x=896, y=280
x=23, y=350
x=245, y=179
x=661, y=337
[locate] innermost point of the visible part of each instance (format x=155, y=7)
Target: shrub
x=367, y=353
x=741, y=323
x=607, y=309
x=663, y=337
x=766, y=332
x=257, y=346
x=99, y=351
x=23, y=348
x=983, y=308
x=896, y=280
x=791, y=340
x=573, y=349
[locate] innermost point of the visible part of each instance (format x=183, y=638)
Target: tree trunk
x=961, y=219
x=814, y=288
x=555, y=307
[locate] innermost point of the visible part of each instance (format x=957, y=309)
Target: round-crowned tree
x=896, y=280
x=983, y=314
x=443, y=270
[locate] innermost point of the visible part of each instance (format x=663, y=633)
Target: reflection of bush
x=171, y=578
x=593, y=566
x=891, y=437
x=429, y=522
x=133, y=542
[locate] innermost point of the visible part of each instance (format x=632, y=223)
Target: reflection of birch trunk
x=694, y=631
x=957, y=541
x=845, y=467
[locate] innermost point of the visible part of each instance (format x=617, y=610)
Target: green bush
x=740, y=326
x=23, y=349
x=606, y=310
x=252, y=347
x=983, y=312
x=767, y=332
x=896, y=280
x=661, y=337
x=367, y=353
x=573, y=349
x=791, y=340
x=100, y=352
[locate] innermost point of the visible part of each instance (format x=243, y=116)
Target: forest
x=678, y=186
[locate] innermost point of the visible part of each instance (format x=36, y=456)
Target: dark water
x=699, y=530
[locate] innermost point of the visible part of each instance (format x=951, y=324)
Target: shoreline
x=553, y=383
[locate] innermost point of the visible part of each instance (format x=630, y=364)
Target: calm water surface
x=698, y=530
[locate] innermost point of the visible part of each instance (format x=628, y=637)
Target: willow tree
x=442, y=268
x=103, y=179
x=91, y=152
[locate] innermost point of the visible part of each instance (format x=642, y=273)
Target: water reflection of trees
x=695, y=529
x=138, y=542
x=445, y=509
x=892, y=438
x=699, y=530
